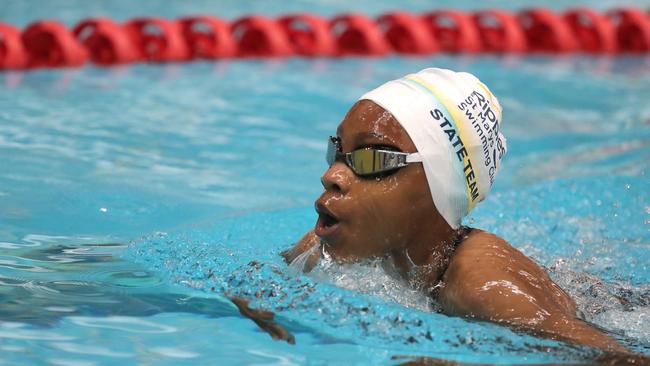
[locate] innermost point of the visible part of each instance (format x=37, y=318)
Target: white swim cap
x=454, y=122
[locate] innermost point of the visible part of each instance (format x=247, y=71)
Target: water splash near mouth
x=372, y=277
x=299, y=264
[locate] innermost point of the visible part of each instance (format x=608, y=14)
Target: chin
x=343, y=251
x=339, y=251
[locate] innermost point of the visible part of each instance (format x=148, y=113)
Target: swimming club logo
x=480, y=112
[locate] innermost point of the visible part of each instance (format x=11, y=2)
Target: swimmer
x=409, y=160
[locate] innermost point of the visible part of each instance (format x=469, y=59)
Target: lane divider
x=102, y=41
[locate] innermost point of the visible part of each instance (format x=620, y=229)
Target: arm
x=308, y=241
x=488, y=279
x=264, y=320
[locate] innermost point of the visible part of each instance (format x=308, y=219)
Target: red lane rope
x=538, y=30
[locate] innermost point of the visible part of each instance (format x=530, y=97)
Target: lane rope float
x=102, y=41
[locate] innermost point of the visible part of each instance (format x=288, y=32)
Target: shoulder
x=482, y=254
x=490, y=279
x=480, y=258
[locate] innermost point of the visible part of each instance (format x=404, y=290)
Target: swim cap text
x=461, y=152
x=478, y=110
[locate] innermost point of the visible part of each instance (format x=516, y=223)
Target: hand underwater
x=306, y=250
x=264, y=320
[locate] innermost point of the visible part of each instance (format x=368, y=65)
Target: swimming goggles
x=369, y=161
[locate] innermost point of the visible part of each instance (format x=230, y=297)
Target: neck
x=424, y=261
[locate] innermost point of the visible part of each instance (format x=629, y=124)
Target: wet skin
x=470, y=272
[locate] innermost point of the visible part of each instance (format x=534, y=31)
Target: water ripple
x=10, y=330
x=69, y=362
x=89, y=349
x=14, y=264
x=173, y=352
x=123, y=323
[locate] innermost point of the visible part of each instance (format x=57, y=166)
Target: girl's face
x=362, y=217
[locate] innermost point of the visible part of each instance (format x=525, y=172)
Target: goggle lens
x=366, y=161
x=369, y=161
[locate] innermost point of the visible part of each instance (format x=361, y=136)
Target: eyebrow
x=372, y=138
x=362, y=135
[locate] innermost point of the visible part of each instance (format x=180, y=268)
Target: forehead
x=368, y=121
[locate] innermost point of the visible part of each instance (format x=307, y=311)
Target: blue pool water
x=132, y=198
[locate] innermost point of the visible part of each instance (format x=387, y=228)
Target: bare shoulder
x=484, y=255
x=490, y=279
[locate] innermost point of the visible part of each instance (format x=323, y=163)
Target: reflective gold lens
x=366, y=161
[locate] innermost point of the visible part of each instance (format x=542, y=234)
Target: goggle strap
x=414, y=158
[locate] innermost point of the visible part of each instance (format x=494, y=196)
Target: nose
x=337, y=178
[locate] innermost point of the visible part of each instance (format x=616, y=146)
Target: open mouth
x=327, y=222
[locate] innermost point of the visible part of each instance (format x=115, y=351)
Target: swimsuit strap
x=461, y=234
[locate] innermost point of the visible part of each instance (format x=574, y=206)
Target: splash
x=375, y=277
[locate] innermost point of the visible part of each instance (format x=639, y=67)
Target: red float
x=358, y=35
x=593, y=31
x=259, y=36
x=546, y=31
x=51, y=44
x=208, y=37
x=454, y=30
x=106, y=41
x=12, y=52
x=632, y=29
x=157, y=39
x=407, y=33
x=308, y=34
x=500, y=31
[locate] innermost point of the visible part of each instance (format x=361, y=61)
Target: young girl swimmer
x=409, y=160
